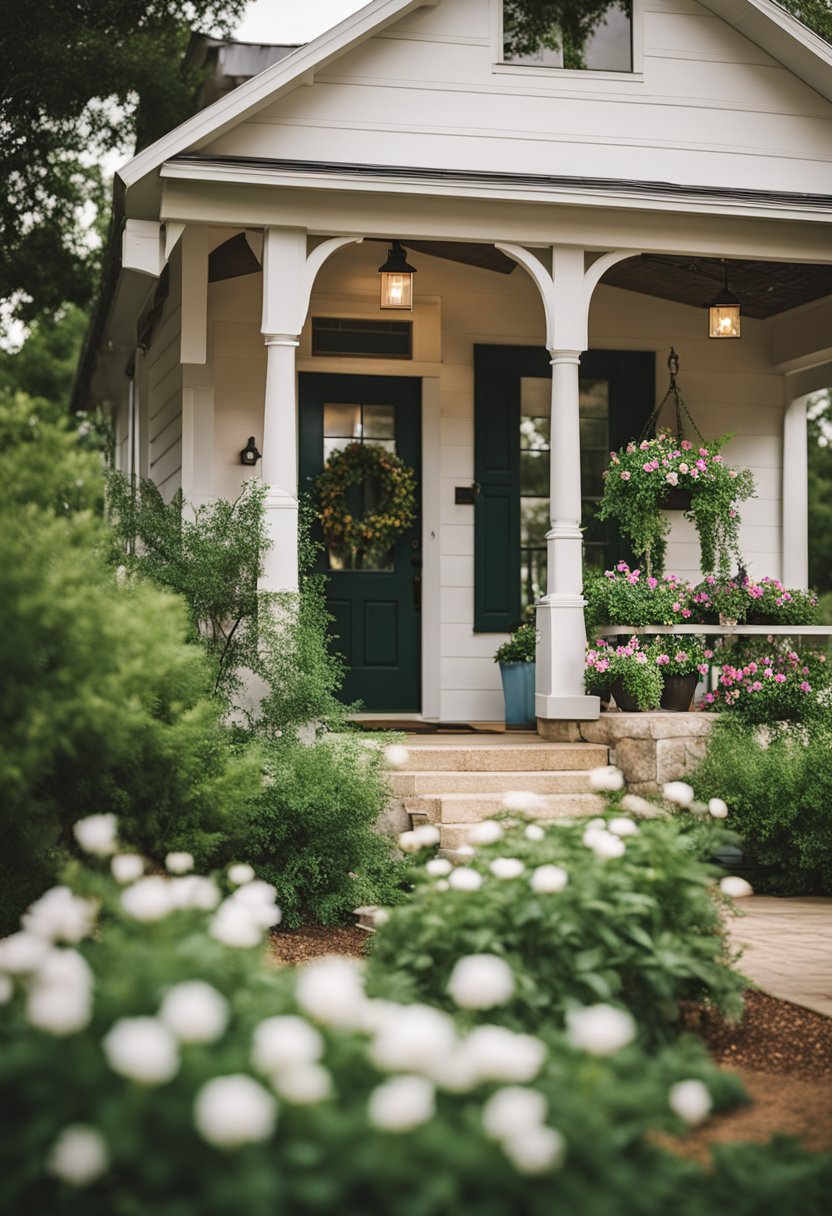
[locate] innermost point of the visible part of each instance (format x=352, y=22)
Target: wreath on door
x=394, y=512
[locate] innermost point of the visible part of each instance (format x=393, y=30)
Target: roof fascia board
x=781, y=36
x=251, y=96
x=613, y=195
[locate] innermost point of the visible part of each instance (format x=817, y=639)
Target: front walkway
x=787, y=948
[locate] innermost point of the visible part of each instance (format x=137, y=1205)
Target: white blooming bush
x=151, y=1061
x=619, y=909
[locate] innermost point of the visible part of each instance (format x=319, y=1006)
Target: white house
x=247, y=304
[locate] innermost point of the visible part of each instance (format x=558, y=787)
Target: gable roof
x=764, y=22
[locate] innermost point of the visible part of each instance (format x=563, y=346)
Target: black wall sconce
x=249, y=455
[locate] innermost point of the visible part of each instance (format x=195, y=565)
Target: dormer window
x=596, y=35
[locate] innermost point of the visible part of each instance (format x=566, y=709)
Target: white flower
x=127, y=867
x=423, y=837
x=331, y=990
x=381, y=917
x=179, y=863
x=410, y=1040
x=465, y=850
x=596, y=825
x=506, y=867
x=479, y=981
x=400, y=1104
x=194, y=891
x=487, y=832
x=464, y=878
x=600, y=1029
x=535, y=1150
x=443, y=885
x=622, y=827
x=142, y=1049
x=258, y=898
x=690, y=1100
x=59, y=1001
x=60, y=916
x=149, y=899
x=736, y=887
x=396, y=755
x=285, y=1042
x=96, y=834
x=521, y=800
x=640, y=806
x=607, y=778
x=546, y=880
x=438, y=867
x=603, y=843
x=240, y=873
x=235, y=926
x=304, y=1084
x=409, y=842
x=79, y=1155
x=22, y=953
x=492, y=1053
x=679, y=792
x=234, y=1110
x=718, y=809
x=6, y=989
x=513, y=1110
x=534, y=832
x=194, y=1011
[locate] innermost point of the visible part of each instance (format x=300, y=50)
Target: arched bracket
x=289, y=276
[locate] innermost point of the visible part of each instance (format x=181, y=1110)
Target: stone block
x=679, y=726
x=695, y=750
x=645, y=789
x=671, y=758
x=393, y=820
x=637, y=759
x=556, y=731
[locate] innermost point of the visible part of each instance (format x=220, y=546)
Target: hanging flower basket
x=393, y=487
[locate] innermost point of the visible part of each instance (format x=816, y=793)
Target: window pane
x=606, y=46
x=536, y=397
x=379, y=422
x=343, y=421
x=334, y=445
x=594, y=433
x=534, y=521
x=534, y=434
x=534, y=474
x=592, y=472
x=595, y=399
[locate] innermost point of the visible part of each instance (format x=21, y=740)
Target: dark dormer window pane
x=602, y=42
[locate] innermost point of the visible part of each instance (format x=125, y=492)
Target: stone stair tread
x=507, y=757
x=446, y=809
x=409, y=782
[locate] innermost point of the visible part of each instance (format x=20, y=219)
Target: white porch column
x=566, y=292
x=795, y=542
x=288, y=276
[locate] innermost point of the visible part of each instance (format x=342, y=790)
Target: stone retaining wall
x=649, y=748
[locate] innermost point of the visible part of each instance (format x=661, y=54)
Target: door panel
x=376, y=620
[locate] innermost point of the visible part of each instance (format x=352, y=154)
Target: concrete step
x=576, y=806
x=465, y=809
x=505, y=757
x=544, y=781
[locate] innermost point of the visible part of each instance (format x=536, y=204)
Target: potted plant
x=770, y=603
x=721, y=600
x=622, y=596
x=681, y=661
x=635, y=678
x=638, y=480
x=517, y=669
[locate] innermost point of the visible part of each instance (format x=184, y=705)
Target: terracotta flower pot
x=678, y=691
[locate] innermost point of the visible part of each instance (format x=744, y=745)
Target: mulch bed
x=782, y=1053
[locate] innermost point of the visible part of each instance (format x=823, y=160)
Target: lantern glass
x=724, y=321
x=396, y=289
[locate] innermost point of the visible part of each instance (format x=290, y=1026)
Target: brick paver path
x=787, y=946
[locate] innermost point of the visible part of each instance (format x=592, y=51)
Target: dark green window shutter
x=497, y=510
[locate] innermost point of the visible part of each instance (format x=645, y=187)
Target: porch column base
x=559, y=668
x=280, y=561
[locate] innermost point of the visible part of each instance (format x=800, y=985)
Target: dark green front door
x=376, y=610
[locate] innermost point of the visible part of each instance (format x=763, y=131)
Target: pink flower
x=681, y=656
x=662, y=660
x=648, y=466
x=632, y=578
x=694, y=473
x=701, y=465
x=768, y=673
x=804, y=687
x=756, y=686
x=625, y=476
x=702, y=668
x=703, y=451
x=644, y=445
x=683, y=468
x=718, y=459
x=631, y=447
x=652, y=583
x=602, y=665
x=687, y=445
x=752, y=667
x=686, y=613
x=672, y=479
x=709, y=698
x=709, y=654
x=711, y=579
x=622, y=567
x=677, y=607
x=779, y=678
x=732, y=472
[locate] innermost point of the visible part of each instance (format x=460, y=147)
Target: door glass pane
x=357, y=423
x=343, y=421
x=534, y=473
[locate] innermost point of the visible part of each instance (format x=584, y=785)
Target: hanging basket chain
x=679, y=403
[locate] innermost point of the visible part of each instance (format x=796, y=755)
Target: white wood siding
x=710, y=108
x=163, y=378
x=728, y=386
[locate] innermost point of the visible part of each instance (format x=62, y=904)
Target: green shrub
x=767, y=682
x=521, y=646
x=311, y=830
x=626, y=597
x=777, y=782
x=629, y=919
x=158, y=1135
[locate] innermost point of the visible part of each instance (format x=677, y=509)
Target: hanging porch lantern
x=724, y=312
x=396, y=279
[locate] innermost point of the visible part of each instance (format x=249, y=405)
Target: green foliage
x=210, y=555
x=622, y=596
x=79, y=81
x=521, y=646
x=680, y=656
x=820, y=490
x=766, y=681
x=640, y=929
x=104, y=705
x=328, y=1154
x=631, y=664
x=777, y=781
x=311, y=830
x=44, y=366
